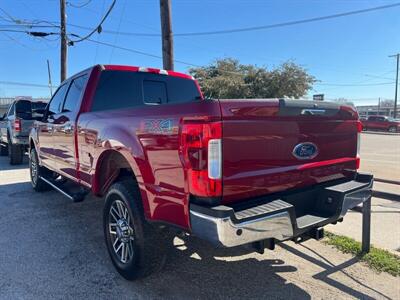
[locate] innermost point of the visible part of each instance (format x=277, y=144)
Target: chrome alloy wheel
x=121, y=231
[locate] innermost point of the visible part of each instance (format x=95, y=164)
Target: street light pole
x=397, y=84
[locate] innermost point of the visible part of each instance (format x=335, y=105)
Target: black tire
x=3, y=150
x=392, y=129
x=147, y=242
x=36, y=171
x=15, y=153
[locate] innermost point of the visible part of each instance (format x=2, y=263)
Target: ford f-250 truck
x=232, y=172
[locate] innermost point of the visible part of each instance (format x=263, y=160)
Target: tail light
x=201, y=155
x=359, y=129
x=17, y=125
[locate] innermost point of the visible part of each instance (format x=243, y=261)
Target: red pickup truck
x=232, y=172
x=381, y=123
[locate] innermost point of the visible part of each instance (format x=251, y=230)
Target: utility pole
x=49, y=73
x=64, y=45
x=379, y=105
x=397, y=84
x=166, y=30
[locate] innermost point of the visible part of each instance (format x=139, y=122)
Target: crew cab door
x=64, y=129
x=46, y=126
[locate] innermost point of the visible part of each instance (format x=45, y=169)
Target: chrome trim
x=223, y=232
x=228, y=231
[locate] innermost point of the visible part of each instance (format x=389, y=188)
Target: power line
x=97, y=28
x=350, y=84
x=24, y=84
x=290, y=23
x=119, y=26
x=78, y=6
x=256, y=28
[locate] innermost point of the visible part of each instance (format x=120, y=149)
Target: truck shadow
x=330, y=268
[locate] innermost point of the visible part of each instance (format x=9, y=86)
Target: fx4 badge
x=305, y=151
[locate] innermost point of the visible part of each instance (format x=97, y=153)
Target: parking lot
x=380, y=155
x=54, y=248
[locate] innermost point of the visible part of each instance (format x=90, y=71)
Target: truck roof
x=146, y=69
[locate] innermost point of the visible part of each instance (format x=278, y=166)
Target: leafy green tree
x=227, y=78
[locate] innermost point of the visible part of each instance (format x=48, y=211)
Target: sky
x=348, y=56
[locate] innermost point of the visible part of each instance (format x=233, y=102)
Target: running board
x=75, y=197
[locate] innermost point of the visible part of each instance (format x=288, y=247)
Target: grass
x=378, y=259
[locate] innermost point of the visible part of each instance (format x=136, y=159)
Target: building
x=372, y=110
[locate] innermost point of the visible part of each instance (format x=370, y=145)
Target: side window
x=154, y=92
x=74, y=93
x=116, y=90
x=57, y=100
x=11, y=110
x=372, y=119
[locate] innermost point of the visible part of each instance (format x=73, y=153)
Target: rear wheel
x=3, y=150
x=15, y=153
x=36, y=172
x=136, y=248
x=392, y=129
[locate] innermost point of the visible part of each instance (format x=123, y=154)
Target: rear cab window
x=126, y=89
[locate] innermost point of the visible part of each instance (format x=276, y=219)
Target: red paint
x=257, y=145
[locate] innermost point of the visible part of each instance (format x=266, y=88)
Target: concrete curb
x=388, y=181
x=381, y=133
x=386, y=195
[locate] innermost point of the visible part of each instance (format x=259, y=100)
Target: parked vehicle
x=381, y=123
x=232, y=172
x=14, y=130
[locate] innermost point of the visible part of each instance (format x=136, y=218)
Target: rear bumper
x=281, y=218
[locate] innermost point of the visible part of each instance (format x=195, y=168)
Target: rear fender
x=124, y=151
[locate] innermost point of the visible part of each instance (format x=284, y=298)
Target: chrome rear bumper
x=276, y=218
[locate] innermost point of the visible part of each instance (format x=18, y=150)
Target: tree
x=227, y=78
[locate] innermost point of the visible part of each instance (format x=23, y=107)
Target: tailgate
x=274, y=145
x=26, y=126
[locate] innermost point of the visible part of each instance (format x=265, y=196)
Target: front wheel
x=136, y=248
x=3, y=150
x=392, y=129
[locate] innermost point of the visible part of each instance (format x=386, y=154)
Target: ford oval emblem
x=305, y=151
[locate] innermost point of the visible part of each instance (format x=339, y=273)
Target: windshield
x=38, y=105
